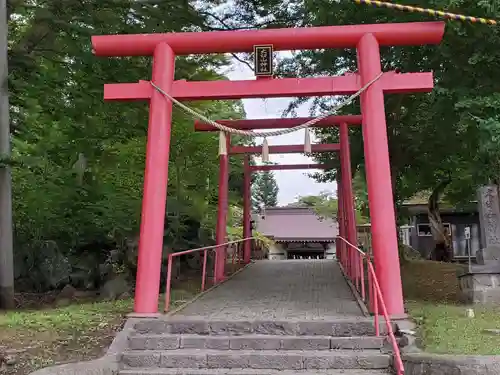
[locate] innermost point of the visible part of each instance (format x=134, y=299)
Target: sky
x=292, y=183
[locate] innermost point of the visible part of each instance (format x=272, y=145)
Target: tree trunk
x=442, y=251
x=6, y=246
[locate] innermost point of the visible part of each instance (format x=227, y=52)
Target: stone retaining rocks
x=480, y=288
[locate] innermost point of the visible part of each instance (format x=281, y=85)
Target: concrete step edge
x=338, y=328
x=257, y=336
x=236, y=371
x=277, y=360
x=348, y=353
x=252, y=342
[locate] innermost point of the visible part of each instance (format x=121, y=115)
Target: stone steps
x=336, y=328
x=242, y=359
x=165, y=371
x=252, y=341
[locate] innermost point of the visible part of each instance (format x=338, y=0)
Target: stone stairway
x=191, y=346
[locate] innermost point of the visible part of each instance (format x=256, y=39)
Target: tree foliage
x=78, y=161
x=325, y=205
x=264, y=191
x=453, y=131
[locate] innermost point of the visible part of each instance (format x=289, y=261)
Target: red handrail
x=168, y=289
x=375, y=295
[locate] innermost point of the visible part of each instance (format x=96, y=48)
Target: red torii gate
x=345, y=199
x=367, y=39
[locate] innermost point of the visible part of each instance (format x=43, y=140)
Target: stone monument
x=481, y=284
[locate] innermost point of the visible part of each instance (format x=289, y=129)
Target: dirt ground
x=48, y=335
x=46, y=330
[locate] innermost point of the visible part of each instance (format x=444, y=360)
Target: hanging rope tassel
x=265, y=151
x=222, y=143
x=307, y=142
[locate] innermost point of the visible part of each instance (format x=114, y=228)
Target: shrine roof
x=296, y=224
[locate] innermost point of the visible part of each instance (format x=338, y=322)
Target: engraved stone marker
x=489, y=215
x=482, y=283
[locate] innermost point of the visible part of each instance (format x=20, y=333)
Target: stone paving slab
x=285, y=289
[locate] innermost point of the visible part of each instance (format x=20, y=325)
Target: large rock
x=114, y=288
x=490, y=254
x=68, y=292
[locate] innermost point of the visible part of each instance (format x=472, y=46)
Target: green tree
x=325, y=204
x=264, y=191
x=447, y=133
x=84, y=156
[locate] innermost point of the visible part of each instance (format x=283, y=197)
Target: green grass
x=53, y=335
x=432, y=299
x=77, y=316
x=74, y=317
x=446, y=329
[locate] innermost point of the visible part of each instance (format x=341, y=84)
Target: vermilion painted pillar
x=338, y=242
x=349, y=213
x=222, y=210
x=341, y=219
x=378, y=176
x=247, y=231
x=155, y=185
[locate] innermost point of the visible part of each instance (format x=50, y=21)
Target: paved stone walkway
x=281, y=290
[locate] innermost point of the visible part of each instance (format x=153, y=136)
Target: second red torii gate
x=345, y=199
x=223, y=191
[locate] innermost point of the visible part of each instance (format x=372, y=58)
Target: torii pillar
x=247, y=209
x=222, y=211
x=349, y=215
x=378, y=178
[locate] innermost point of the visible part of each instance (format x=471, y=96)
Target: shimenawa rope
x=247, y=133
x=432, y=12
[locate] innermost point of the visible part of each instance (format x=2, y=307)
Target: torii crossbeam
x=286, y=167
x=279, y=123
x=284, y=149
